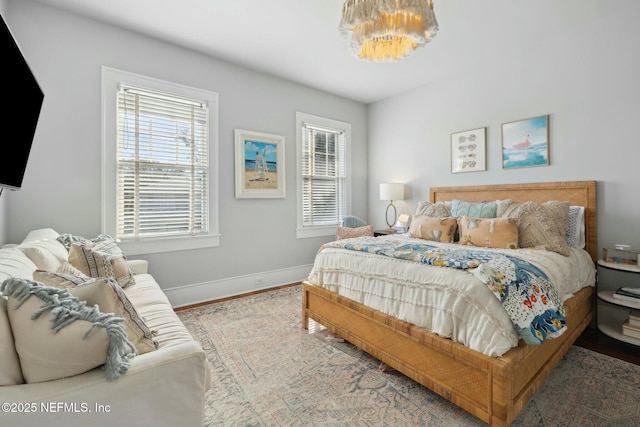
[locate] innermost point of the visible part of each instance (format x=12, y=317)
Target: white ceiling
x=299, y=39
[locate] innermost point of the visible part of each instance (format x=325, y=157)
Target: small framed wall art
x=468, y=151
x=259, y=165
x=525, y=143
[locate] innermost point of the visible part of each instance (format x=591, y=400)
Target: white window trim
x=111, y=78
x=303, y=232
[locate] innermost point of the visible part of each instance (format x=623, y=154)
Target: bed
x=493, y=388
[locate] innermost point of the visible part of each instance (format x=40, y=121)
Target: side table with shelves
x=612, y=312
x=377, y=233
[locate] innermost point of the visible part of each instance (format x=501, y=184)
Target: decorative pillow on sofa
x=500, y=233
x=541, y=225
x=348, y=232
x=59, y=280
x=10, y=372
x=436, y=210
x=57, y=336
x=68, y=239
x=102, y=259
x=434, y=229
x=46, y=254
x=109, y=296
x=460, y=208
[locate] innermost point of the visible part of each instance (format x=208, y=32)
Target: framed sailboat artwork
x=525, y=143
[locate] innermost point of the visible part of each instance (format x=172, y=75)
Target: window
x=323, y=174
x=164, y=137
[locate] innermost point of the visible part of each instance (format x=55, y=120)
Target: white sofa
x=163, y=387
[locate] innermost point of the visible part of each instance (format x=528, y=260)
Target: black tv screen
x=22, y=110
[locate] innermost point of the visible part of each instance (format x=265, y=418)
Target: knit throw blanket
x=524, y=290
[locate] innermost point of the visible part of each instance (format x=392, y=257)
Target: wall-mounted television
x=21, y=112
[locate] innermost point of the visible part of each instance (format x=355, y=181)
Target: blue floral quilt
x=523, y=289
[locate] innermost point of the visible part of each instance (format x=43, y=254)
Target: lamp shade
x=392, y=191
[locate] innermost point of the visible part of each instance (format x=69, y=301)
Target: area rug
x=268, y=371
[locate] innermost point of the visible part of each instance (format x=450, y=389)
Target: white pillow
x=46, y=254
x=576, y=227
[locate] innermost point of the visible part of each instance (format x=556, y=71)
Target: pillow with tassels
x=56, y=335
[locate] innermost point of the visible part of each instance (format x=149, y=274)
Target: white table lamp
x=391, y=192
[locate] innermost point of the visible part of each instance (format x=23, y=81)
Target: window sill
x=304, y=233
x=168, y=244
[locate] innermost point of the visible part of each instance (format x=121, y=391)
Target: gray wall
x=585, y=76
x=63, y=180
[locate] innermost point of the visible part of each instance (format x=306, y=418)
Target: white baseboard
x=181, y=296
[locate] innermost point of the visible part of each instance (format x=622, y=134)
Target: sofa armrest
x=138, y=266
x=163, y=388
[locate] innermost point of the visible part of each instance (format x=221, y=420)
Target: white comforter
x=449, y=302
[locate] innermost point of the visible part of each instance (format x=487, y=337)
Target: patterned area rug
x=268, y=371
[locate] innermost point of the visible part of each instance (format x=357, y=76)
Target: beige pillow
x=59, y=280
x=540, y=225
x=102, y=259
x=501, y=233
x=434, y=229
x=107, y=294
x=436, y=210
x=56, y=336
x=10, y=373
x=348, y=232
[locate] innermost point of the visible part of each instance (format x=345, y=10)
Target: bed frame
x=493, y=389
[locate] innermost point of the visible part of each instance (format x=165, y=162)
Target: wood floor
x=595, y=340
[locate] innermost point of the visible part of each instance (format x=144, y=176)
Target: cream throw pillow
x=57, y=336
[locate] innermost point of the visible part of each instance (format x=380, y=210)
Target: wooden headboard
x=578, y=193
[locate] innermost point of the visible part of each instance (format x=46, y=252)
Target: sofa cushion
x=102, y=259
x=15, y=263
x=57, y=336
x=10, y=373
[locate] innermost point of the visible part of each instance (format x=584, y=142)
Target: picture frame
x=468, y=150
x=525, y=143
x=259, y=168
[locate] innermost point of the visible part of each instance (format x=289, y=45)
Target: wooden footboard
x=493, y=389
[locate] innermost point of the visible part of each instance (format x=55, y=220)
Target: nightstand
x=377, y=233
x=612, y=312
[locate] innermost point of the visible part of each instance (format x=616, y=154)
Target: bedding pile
x=523, y=289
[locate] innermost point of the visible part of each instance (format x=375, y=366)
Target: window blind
x=162, y=165
x=323, y=176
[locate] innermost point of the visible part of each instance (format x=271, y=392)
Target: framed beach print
x=525, y=143
x=259, y=165
x=468, y=151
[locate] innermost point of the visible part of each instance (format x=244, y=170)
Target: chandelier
x=387, y=30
